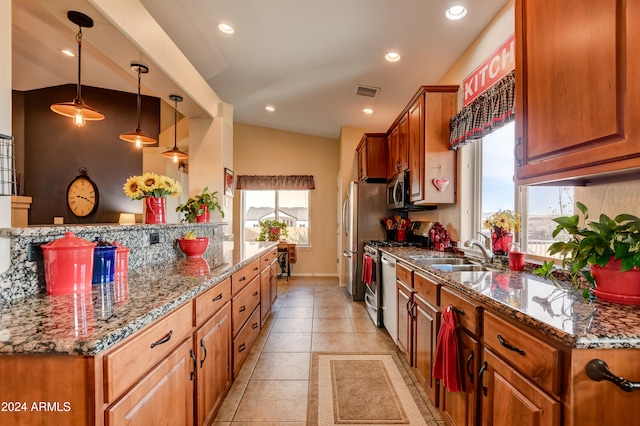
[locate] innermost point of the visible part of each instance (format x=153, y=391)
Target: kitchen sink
x=429, y=260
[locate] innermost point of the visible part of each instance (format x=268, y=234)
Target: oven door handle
x=366, y=302
x=386, y=261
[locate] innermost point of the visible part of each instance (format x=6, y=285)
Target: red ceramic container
x=122, y=260
x=68, y=265
x=194, y=247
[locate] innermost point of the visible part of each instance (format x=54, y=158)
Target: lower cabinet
x=405, y=319
x=163, y=396
x=426, y=322
x=244, y=340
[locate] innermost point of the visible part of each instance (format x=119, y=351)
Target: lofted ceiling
x=304, y=57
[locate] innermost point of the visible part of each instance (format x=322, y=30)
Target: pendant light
x=175, y=153
x=77, y=109
x=137, y=137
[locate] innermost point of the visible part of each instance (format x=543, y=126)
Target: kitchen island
x=526, y=345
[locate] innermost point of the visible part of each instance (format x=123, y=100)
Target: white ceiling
x=304, y=57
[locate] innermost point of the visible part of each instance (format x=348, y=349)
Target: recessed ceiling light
x=226, y=28
x=456, y=12
x=68, y=53
x=270, y=108
x=368, y=111
x=392, y=56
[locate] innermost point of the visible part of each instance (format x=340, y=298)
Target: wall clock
x=82, y=195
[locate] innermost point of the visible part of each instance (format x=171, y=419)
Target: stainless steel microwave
x=398, y=191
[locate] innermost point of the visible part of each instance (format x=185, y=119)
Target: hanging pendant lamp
x=175, y=153
x=77, y=109
x=137, y=137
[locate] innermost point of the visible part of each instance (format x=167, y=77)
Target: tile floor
x=310, y=314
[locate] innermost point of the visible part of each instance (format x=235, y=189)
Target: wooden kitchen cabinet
x=404, y=280
x=426, y=322
x=372, y=157
x=576, y=90
x=398, y=146
x=265, y=295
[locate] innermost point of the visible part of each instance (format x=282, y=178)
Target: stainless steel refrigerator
x=362, y=212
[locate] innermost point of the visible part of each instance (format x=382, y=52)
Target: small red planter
x=204, y=217
x=614, y=285
x=193, y=247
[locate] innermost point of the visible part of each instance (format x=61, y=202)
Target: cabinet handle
x=255, y=325
x=515, y=152
x=469, y=373
x=192, y=375
x=242, y=347
x=242, y=279
x=256, y=293
x=458, y=310
x=165, y=339
x=480, y=373
x=598, y=370
x=218, y=297
x=242, y=308
x=508, y=346
x=204, y=348
x=256, y=268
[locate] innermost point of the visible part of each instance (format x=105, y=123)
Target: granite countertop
x=89, y=323
x=531, y=300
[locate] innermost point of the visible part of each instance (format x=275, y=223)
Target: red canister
x=68, y=265
x=122, y=260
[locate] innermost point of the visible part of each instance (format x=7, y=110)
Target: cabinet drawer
x=244, y=303
x=469, y=313
x=240, y=279
x=266, y=259
x=428, y=289
x=244, y=340
x=404, y=274
x=128, y=362
x=530, y=355
x=210, y=301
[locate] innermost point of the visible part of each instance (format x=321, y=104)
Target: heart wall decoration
x=441, y=183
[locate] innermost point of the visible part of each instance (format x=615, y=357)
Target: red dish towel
x=447, y=363
x=368, y=271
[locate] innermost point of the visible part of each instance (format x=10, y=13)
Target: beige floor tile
x=300, y=312
x=364, y=324
x=274, y=401
x=292, y=325
x=297, y=301
x=282, y=366
x=231, y=401
x=376, y=342
x=334, y=342
x=330, y=301
x=330, y=312
x=332, y=325
x=357, y=310
x=288, y=342
x=267, y=424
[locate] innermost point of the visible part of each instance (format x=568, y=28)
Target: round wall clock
x=82, y=195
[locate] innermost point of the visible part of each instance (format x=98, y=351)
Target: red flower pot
x=500, y=241
x=155, y=210
x=204, y=216
x=614, y=285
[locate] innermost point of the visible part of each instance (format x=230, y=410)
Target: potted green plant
x=272, y=230
x=610, y=247
x=199, y=207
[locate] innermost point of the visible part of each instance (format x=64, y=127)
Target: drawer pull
x=204, y=348
x=242, y=308
x=457, y=310
x=255, y=293
x=469, y=373
x=242, y=279
x=256, y=268
x=255, y=325
x=165, y=339
x=218, y=297
x=242, y=347
x=192, y=375
x=480, y=373
x=598, y=370
x=508, y=346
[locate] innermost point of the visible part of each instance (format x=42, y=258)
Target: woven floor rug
x=371, y=389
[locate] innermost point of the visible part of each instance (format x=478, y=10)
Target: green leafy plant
x=272, y=230
x=193, y=207
x=593, y=243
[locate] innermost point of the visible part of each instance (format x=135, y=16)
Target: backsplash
x=25, y=277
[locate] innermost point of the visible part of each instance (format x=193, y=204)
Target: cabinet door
x=163, y=396
x=274, y=281
x=405, y=320
x=461, y=408
x=416, y=150
x=510, y=399
x=265, y=294
x=213, y=346
x=576, y=88
x=372, y=157
x=425, y=329
x=392, y=151
x=403, y=143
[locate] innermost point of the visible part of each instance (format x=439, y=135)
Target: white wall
x=5, y=118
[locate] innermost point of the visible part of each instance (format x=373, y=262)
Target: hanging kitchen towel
x=447, y=363
x=368, y=272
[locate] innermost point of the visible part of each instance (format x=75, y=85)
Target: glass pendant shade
x=137, y=137
x=175, y=154
x=77, y=109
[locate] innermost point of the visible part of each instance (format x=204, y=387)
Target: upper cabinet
x=398, y=146
x=372, y=157
x=577, y=91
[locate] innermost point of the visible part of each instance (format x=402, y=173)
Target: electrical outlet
x=154, y=238
x=35, y=252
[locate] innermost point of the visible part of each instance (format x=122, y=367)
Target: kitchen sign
x=492, y=69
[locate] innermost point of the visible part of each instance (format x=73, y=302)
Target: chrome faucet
x=488, y=256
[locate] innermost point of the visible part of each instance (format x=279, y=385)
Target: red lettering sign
x=492, y=69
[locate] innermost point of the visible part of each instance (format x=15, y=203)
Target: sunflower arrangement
x=151, y=185
x=503, y=220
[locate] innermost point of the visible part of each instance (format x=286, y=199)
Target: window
x=288, y=206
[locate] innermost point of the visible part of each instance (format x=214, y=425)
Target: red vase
x=614, y=285
x=155, y=210
x=500, y=241
x=204, y=216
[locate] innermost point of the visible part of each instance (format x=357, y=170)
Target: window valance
x=275, y=182
x=490, y=111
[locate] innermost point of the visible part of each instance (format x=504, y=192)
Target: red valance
x=275, y=182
